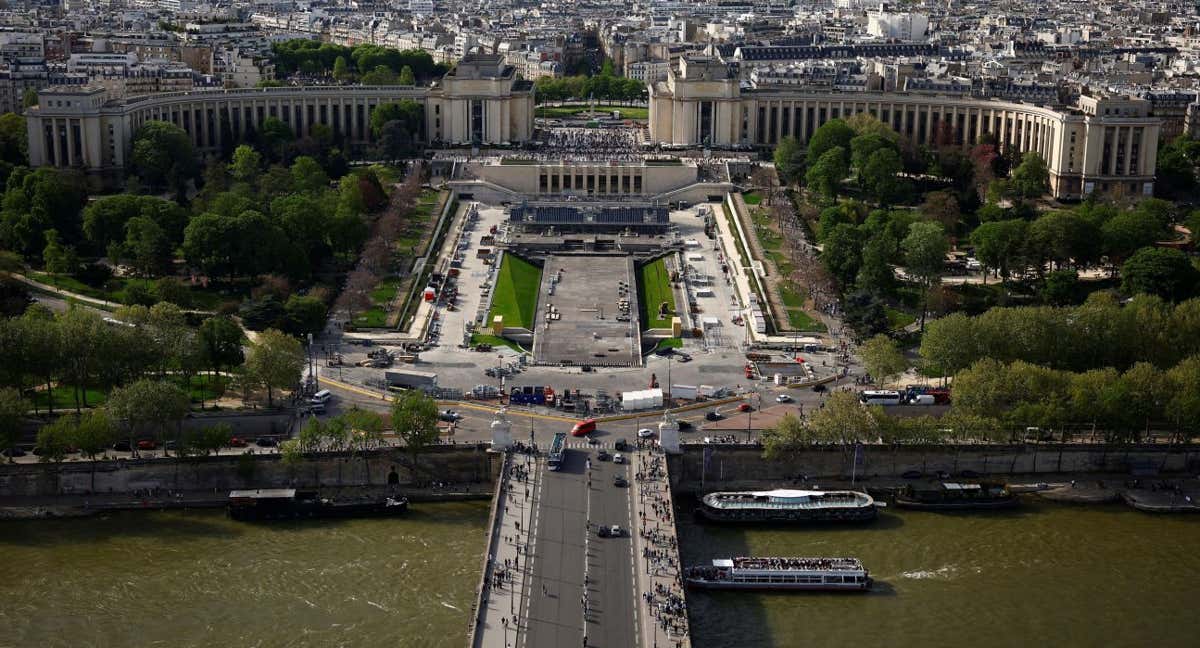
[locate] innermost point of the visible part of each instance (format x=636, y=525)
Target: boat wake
x=452, y=607
x=942, y=573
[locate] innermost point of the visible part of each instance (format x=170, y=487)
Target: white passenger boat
x=832, y=574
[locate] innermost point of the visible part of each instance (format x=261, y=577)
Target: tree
x=148, y=407
x=147, y=247
x=1165, y=272
x=841, y=253
x=246, y=164
x=1031, y=178
x=60, y=259
x=785, y=439
x=882, y=358
x=827, y=173
x=864, y=313
x=925, y=250
x=875, y=273
x=38, y=200
x=942, y=207
x=275, y=134
x=948, y=345
x=1183, y=405
x=835, y=133
x=414, y=419
x=998, y=245
x=1059, y=287
x=305, y=314
x=409, y=113
x=221, y=342
x=163, y=156
x=94, y=433
x=880, y=176
x=341, y=71
x=380, y=75
x=14, y=140
x=406, y=76
x=275, y=361
x=1129, y=231
x=308, y=177
x=843, y=420
x=789, y=159
x=12, y=409
x=54, y=439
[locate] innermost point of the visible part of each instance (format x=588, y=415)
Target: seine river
x=200, y=579
x=1047, y=575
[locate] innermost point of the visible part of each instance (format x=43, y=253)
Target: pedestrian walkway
x=659, y=576
x=500, y=621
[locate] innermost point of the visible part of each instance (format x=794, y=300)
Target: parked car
x=620, y=481
x=618, y=458
x=266, y=442
x=712, y=415
x=147, y=444
x=121, y=446
x=684, y=425
x=449, y=415
x=645, y=433
x=13, y=452
x=603, y=455
x=818, y=388
x=237, y=442
x=745, y=407
x=783, y=398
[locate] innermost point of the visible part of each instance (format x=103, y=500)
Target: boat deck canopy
x=264, y=493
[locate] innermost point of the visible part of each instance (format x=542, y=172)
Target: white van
x=321, y=397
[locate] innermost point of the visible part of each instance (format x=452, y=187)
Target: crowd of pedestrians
x=665, y=601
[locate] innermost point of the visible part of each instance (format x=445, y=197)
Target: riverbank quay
x=84, y=505
x=659, y=574
x=458, y=464
x=498, y=614
x=709, y=467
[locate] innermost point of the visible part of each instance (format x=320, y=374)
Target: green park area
x=514, y=296
x=376, y=315
x=200, y=388
x=769, y=237
x=132, y=290
x=558, y=112
x=654, y=288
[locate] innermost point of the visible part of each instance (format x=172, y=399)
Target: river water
x=1044, y=575
x=199, y=579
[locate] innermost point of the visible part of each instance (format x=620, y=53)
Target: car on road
x=121, y=446
x=818, y=388
x=584, y=428
x=620, y=481
x=683, y=357
x=684, y=425
x=620, y=445
x=237, y=442
x=745, y=407
x=645, y=433
x=712, y=415
x=603, y=455
x=449, y=415
x=783, y=398
x=266, y=442
x=615, y=531
x=147, y=444
x=618, y=458
x=602, y=531
x=13, y=452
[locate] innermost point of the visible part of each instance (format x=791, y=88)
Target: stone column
x=1129, y=170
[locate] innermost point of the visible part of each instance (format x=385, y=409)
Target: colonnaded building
x=481, y=101
x=1101, y=144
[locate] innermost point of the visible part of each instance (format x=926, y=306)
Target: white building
x=902, y=25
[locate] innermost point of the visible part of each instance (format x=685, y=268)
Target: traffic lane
x=555, y=616
x=612, y=621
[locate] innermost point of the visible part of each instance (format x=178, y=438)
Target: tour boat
x=956, y=496
x=787, y=506
x=828, y=574
x=289, y=503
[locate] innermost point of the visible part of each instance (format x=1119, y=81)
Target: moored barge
x=784, y=505
x=289, y=503
x=957, y=496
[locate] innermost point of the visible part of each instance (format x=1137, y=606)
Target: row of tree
x=349, y=63
x=41, y=352
x=1102, y=332
x=604, y=85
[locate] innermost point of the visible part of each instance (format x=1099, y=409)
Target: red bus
x=584, y=428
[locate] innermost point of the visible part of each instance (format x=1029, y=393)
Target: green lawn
x=381, y=294
x=114, y=291
x=495, y=341
x=791, y=294
x=752, y=197
x=627, y=112
x=514, y=297
x=202, y=388
x=898, y=319
x=654, y=288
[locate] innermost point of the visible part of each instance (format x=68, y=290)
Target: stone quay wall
x=457, y=464
x=714, y=467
